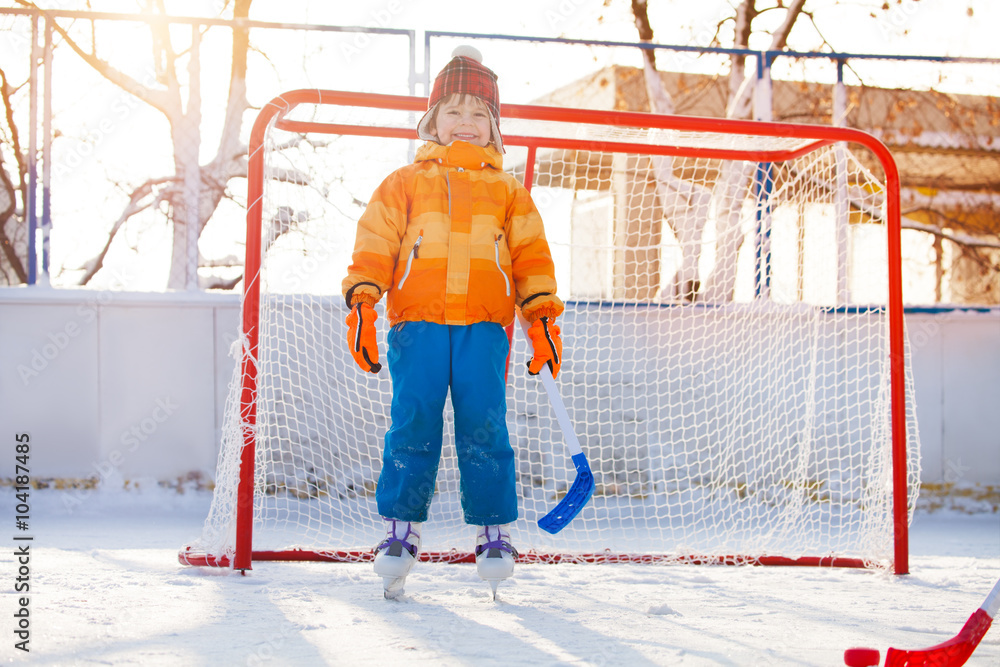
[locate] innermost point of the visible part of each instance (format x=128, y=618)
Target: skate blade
x=493, y=585
x=392, y=587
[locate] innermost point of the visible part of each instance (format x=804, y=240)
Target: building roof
x=944, y=144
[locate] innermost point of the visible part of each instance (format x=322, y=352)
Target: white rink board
x=81, y=393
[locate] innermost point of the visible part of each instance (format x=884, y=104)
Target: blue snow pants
x=425, y=360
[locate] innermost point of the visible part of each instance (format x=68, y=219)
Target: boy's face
x=462, y=117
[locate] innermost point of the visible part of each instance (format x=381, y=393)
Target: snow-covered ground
x=106, y=588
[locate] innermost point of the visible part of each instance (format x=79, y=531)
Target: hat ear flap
x=425, y=128
x=497, y=138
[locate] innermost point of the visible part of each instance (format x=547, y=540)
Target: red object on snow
x=862, y=657
x=952, y=653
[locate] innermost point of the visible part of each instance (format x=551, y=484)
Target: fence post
x=763, y=182
x=43, y=277
x=841, y=206
x=192, y=174
x=30, y=204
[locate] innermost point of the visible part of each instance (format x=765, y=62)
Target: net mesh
x=726, y=353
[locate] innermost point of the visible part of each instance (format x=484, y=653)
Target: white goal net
x=728, y=349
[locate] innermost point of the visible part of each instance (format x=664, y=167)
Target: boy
x=454, y=243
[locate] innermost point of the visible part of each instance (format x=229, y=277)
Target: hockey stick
x=951, y=653
x=583, y=486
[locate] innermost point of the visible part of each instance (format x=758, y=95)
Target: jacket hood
x=460, y=154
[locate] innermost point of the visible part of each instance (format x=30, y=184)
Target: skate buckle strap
x=499, y=543
x=387, y=543
x=502, y=545
x=390, y=540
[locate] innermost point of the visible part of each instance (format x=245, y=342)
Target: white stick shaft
x=572, y=444
x=992, y=603
x=555, y=399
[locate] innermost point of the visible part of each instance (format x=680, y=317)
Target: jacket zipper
x=496, y=255
x=410, y=258
x=447, y=180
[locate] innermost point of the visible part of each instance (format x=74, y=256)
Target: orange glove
x=361, y=337
x=547, y=346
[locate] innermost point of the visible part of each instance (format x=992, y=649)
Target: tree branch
x=236, y=104
x=22, y=168
x=134, y=206
x=640, y=12
x=158, y=99
x=958, y=238
x=739, y=89
x=780, y=37
x=10, y=189
x=659, y=99
x=164, y=56
x=216, y=282
x=9, y=251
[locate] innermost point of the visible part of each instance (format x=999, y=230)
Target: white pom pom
x=467, y=51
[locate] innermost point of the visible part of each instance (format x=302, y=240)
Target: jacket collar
x=460, y=154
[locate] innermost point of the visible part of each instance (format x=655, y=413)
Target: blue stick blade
x=573, y=501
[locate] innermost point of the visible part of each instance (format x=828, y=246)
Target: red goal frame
x=815, y=136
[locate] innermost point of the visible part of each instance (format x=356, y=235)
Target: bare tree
x=973, y=234
x=686, y=204
x=957, y=205
x=13, y=195
x=193, y=191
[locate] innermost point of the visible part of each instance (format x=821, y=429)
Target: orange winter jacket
x=453, y=239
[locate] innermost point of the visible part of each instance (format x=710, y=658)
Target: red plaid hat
x=465, y=74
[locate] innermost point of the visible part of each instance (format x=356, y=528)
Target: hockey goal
x=735, y=360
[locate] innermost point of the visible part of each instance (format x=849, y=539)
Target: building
x=947, y=148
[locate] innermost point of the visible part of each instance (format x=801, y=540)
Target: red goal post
x=766, y=144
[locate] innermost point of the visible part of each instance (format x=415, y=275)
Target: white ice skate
x=396, y=554
x=495, y=555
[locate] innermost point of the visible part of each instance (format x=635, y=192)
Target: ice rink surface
x=106, y=588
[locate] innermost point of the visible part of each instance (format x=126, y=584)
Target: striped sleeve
x=376, y=246
x=534, y=271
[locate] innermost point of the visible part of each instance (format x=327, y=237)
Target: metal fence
x=119, y=166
